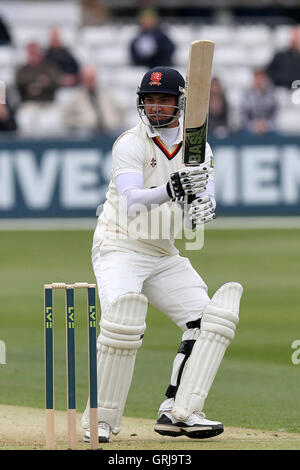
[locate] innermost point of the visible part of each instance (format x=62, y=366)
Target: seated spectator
x=37, y=81
x=218, y=110
x=284, y=68
x=259, y=106
x=90, y=108
x=5, y=37
x=152, y=46
x=59, y=55
x=7, y=118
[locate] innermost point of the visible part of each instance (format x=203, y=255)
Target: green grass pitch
x=257, y=385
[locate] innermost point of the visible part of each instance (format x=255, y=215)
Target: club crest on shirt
x=153, y=162
x=155, y=78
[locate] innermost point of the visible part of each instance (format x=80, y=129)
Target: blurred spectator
x=59, y=55
x=7, y=118
x=90, y=108
x=284, y=68
x=259, y=106
x=5, y=37
x=218, y=110
x=37, y=81
x=152, y=46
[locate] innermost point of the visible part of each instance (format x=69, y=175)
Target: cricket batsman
x=136, y=262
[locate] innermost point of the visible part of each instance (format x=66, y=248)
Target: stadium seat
x=288, y=120
x=24, y=34
x=260, y=55
x=132, y=118
x=83, y=54
x=221, y=35
x=127, y=32
x=253, y=35
x=181, y=54
x=128, y=76
x=284, y=97
x=234, y=77
x=180, y=34
x=229, y=56
x=98, y=36
x=7, y=56
x=46, y=120
x=7, y=75
x=46, y=13
x=112, y=55
x=124, y=97
x=281, y=36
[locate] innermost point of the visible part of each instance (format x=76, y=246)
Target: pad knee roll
x=121, y=336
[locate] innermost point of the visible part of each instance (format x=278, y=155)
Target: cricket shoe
x=103, y=433
x=195, y=426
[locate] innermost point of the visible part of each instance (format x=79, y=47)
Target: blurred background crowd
x=72, y=67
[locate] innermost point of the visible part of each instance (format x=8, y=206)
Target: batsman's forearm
x=133, y=195
x=145, y=198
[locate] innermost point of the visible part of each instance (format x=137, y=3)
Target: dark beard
x=160, y=123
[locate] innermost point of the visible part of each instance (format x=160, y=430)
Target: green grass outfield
x=257, y=385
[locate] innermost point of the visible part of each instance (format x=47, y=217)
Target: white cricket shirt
x=142, y=150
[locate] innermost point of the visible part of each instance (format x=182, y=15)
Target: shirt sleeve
x=129, y=186
x=128, y=155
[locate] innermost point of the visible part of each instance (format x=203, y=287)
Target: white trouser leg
x=179, y=291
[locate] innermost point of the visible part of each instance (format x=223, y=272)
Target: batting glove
x=187, y=181
x=202, y=210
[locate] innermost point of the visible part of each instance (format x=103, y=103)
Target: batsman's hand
x=188, y=181
x=202, y=210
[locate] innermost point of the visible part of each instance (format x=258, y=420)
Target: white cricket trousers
x=170, y=283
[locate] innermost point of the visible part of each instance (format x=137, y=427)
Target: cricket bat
x=197, y=93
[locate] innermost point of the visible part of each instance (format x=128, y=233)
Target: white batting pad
x=217, y=330
x=122, y=330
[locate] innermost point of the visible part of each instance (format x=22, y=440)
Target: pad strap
x=185, y=348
